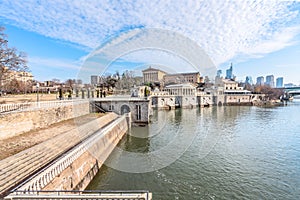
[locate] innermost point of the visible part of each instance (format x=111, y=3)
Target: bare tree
x=56, y=81
x=70, y=83
x=10, y=58
x=128, y=80
x=271, y=93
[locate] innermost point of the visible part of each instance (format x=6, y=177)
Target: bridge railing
x=76, y=194
x=17, y=107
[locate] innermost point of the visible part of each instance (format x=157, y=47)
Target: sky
x=78, y=38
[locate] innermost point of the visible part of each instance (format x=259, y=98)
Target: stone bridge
x=139, y=107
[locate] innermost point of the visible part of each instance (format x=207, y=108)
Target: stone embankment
x=19, y=122
x=67, y=174
x=268, y=103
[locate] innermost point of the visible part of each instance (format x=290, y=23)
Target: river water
x=210, y=153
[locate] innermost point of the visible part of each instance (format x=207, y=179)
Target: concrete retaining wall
x=90, y=155
x=16, y=123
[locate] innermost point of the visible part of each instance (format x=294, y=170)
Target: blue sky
x=258, y=37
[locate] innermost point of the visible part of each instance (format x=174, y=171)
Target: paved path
x=16, y=144
x=15, y=169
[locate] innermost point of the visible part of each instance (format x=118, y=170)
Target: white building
x=231, y=94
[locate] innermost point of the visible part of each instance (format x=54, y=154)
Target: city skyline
x=259, y=38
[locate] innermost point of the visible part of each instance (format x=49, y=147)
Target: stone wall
x=81, y=171
x=205, y=100
x=189, y=102
x=139, y=109
x=165, y=102
x=16, y=123
x=172, y=101
x=242, y=99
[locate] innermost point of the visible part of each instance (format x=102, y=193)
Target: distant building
x=229, y=74
x=185, y=89
x=193, y=77
x=95, y=80
x=270, y=80
x=231, y=85
x=49, y=83
x=79, y=81
x=260, y=80
x=279, y=82
x=152, y=75
x=219, y=72
x=249, y=80
x=289, y=85
x=230, y=93
x=10, y=75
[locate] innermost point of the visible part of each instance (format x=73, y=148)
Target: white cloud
x=54, y=63
x=153, y=46
x=224, y=30
x=279, y=40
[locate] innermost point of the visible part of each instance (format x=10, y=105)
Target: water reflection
x=221, y=153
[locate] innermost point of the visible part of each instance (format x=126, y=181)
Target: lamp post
x=37, y=92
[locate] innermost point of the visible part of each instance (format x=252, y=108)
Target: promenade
x=23, y=98
x=14, y=145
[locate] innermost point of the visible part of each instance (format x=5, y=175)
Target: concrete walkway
x=16, y=144
x=15, y=169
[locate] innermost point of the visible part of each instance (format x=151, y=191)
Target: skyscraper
x=279, y=82
x=249, y=80
x=260, y=80
x=219, y=72
x=218, y=79
x=270, y=80
x=229, y=74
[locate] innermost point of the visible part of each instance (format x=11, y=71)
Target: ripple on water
x=238, y=153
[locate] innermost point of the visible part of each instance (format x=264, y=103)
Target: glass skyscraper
x=260, y=80
x=279, y=82
x=229, y=74
x=270, y=80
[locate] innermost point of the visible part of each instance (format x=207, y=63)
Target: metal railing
x=76, y=194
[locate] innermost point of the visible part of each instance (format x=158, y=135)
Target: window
x=138, y=112
x=111, y=107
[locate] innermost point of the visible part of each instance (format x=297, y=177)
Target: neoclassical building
x=153, y=75
x=192, y=77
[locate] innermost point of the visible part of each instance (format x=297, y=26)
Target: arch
x=125, y=109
